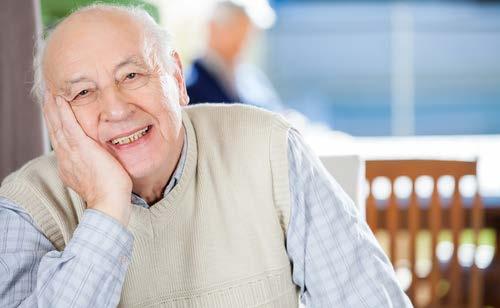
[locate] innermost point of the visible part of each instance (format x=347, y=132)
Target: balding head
x=101, y=19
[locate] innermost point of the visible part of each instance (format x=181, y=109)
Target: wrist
x=117, y=208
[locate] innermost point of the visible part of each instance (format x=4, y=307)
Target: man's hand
x=84, y=165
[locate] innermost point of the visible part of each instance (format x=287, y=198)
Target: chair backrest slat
x=413, y=227
x=476, y=274
x=435, y=216
x=457, y=224
x=371, y=209
x=392, y=224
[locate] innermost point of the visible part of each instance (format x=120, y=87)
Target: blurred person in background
x=220, y=75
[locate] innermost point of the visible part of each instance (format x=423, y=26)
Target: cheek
x=168, y=90
x=88, y=121
x=170, y=120
x=172, y=92
x=169, y=109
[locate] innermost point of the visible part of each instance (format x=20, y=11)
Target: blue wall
x=332, y=61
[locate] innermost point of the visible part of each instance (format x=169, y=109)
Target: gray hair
x=157, y=48
x=225, y=11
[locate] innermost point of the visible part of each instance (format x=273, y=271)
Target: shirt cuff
x=102, y=241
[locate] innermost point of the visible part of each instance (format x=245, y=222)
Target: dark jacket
x=203, y=86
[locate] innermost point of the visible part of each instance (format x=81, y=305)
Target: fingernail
x=58, y=100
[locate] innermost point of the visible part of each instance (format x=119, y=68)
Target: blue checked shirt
x=336, y=259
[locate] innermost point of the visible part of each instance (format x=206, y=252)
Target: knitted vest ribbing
x=217, y=239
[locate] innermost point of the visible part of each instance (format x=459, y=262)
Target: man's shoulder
x=35, y=170
x=235, y=116
x=198, y=72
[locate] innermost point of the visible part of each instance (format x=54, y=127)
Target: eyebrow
x=69, y=83
x=130, y=60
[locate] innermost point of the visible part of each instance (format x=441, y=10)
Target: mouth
x=131, y=138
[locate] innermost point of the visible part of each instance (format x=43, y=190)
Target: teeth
x=131, y=138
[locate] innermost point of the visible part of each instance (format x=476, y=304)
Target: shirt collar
x=176, y=176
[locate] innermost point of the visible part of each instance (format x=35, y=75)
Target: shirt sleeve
x=89, y=272
x=337, y=261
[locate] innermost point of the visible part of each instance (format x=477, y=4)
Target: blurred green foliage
x=54, y=10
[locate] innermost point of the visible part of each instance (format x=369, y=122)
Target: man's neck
x=223, y=61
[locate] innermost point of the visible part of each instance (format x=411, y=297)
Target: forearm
x=89, y=272
x=337, y=261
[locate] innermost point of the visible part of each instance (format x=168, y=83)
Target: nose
x=114, y=105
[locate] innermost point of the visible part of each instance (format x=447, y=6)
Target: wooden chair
x=412, y=218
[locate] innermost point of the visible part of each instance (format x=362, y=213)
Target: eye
x=81, y=94
x=131, y=76
x=133, y=80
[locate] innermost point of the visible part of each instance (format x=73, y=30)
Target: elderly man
x=147, y=203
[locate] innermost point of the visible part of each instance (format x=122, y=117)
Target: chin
x=140, y=169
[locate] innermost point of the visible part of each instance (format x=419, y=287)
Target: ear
x=179, y=77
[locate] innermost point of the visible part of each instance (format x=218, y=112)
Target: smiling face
x=95, y=61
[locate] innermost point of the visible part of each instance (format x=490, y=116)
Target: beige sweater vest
x=217, y=239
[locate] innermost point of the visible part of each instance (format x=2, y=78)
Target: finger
x=51, y=114
x=58, y=140
x=48, y=122
x=68, y=119
x=54, y=124
x=50, y=131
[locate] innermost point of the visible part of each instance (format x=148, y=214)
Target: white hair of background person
x=260, y=13
x=224, y=12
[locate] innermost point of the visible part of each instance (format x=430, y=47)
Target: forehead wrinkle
x=134, y=59
x=78, y=79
